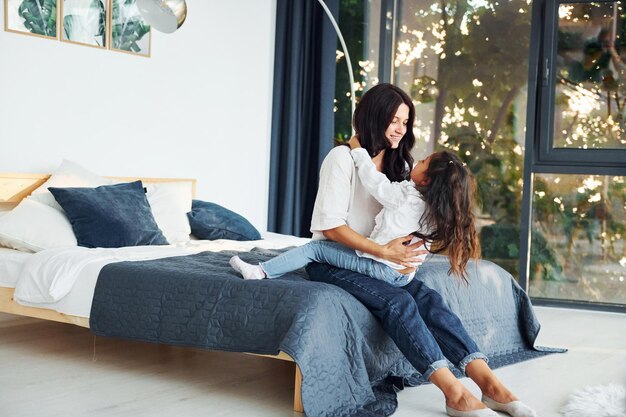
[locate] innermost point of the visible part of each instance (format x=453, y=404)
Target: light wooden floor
x=49, y=369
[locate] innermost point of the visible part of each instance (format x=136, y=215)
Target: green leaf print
x=40, y=16
x=88, y=26
x=128, y=28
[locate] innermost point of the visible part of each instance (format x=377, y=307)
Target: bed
x=362, y=382
x=13, y=189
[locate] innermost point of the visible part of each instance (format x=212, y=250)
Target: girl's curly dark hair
x=449, y=196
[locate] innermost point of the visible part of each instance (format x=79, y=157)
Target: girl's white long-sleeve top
x=403, y=205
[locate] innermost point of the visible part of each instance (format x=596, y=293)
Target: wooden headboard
x=15, y=187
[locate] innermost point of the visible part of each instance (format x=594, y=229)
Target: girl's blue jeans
x=335, y=254
x=416, y=317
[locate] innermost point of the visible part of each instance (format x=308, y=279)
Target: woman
x=414, y=316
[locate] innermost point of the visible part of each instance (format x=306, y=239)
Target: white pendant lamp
x=163, y=15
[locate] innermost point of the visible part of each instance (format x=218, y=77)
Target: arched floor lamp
x=168, y=15
x=345, y=52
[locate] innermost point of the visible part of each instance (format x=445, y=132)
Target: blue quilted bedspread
x=350, y=367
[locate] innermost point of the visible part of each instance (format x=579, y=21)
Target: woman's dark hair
x=372, y=116
x=449, y=196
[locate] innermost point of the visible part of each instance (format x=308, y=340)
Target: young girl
x=436, y=205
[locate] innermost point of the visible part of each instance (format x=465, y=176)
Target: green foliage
x=495, y=52
x=40, y=16
x=483, y=70
x=424, y=89
x=569, y=41
x=94, y=22
x=351, y=22
x=588, y=212
x=500, y=242
x=497, y=170
x=127, y=30
x=495, y=241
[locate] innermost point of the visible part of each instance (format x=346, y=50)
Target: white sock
x=247, y=271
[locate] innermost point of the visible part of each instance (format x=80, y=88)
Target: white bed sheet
x=64, y=279
x=11, y=262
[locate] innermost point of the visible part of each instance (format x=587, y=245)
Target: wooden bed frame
x=13, y=189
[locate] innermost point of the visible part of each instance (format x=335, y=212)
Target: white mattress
x=11, y=262
x=64, y=279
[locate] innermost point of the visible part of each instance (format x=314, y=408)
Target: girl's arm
x=389, y=194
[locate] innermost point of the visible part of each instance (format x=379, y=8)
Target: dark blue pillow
x=110, y=216
x=210, y=221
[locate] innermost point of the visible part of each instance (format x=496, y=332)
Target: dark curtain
x=302, y=114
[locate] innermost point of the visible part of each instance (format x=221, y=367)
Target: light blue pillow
x=210, y=221
x=110, y=216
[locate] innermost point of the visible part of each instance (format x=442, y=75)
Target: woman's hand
x=395, y=251
x=354, y=142
x=400, y=252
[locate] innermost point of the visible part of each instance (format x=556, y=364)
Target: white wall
x=200, y=107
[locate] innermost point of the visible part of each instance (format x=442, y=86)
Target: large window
x=576, y=189
x=578, y=232
x=465, y=65
x=551, y=179
x=590, y=86
x=583, y=90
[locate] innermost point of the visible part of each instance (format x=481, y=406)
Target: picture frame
x=85, y=22
x=37, y=18
x=128, y=33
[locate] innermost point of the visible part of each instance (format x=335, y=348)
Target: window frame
x=590, y=160
x=540, y=156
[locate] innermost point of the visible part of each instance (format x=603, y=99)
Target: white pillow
x=170, y=202
x=33, y=226
x=69, y=174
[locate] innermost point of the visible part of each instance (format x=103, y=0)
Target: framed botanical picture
x=129, y=32
x=32, y=17
x=85, y=22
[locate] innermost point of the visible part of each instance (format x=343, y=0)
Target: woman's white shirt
x=341, y=198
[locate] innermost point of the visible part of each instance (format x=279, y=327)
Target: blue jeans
x=416, y=317
x=332, y=253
